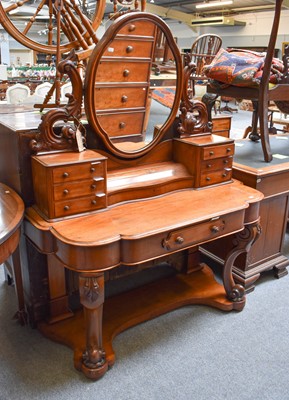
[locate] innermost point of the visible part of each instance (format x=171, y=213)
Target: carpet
x=164, y=96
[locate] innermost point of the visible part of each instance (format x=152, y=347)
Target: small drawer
x=85, y=204
x=70, y=190
x=122, y=124
x=129, y=48
x=138, y=28
x=115, y=71
x=202, y=232
x=216, y=163
x=118, y=97
x=74, y=172
x=214, y=177
x=218, y=151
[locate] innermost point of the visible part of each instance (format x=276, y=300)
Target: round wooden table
x=11, y=215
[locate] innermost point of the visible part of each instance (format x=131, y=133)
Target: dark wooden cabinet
x=273, y=181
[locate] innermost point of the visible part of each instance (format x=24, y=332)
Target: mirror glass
x=131, y=78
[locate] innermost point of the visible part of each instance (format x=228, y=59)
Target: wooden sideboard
x=273, y=181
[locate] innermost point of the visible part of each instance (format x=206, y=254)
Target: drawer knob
x=65, y=175
x=93, y=186
x=228, y=149
x=211, y=153
x=65, y=191
x=66, y=208
x=131, y=28
x=226, y=161
x=179, y=240
x=215, y=229
x=93, y=202
x=209, y=165
x=208, y=178
x=124, y=99
x=129, y=49
x=224, y=174
x=122, y=125
x=92, y=169
x=126, y=73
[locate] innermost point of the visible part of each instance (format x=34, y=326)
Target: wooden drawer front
x=130, y=48
x=118, y=97
x=134, y=251
x=220, y=124
x=205, y=231
x=70, y=207
x=72, y=190
x=109, y=71
x=141, y=28
x=78, y=172
x=217, y=163
x=214, y=177
x=218, y=151
x=122, y=124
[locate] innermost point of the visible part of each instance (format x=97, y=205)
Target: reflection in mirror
x=132, y=79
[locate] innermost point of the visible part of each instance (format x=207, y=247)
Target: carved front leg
x=242, y=243
x=91, y=289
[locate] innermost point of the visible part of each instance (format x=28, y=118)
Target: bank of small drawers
x=216, y=164
x=208, y=157
x=69, y=183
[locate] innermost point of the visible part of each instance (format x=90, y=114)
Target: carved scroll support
x=49, y=138
x=194, y=115
x=243, y=242
x=91, y=289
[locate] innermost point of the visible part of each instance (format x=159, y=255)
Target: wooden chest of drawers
x=124, y=71
x=69, y=183
x=208, y=157
x=222, y=125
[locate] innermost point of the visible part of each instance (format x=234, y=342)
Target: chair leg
x=254, y=134
x=264, y=131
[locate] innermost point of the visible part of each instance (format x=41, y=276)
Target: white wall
x=256, y=32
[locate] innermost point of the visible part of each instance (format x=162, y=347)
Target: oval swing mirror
x=133, y=84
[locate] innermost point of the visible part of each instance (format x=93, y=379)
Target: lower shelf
x=138, y=305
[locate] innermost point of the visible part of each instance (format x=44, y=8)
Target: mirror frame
x=91, y=71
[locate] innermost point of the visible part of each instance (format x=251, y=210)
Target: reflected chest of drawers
x=121, y=93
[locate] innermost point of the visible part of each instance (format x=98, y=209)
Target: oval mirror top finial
x=133, y=84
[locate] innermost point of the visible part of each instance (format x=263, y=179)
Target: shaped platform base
x=138, y=305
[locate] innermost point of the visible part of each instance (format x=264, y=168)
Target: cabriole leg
x=242, y=243
x=91, y=289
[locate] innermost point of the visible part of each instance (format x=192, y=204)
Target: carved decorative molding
x=64, y=138
x=194, y=115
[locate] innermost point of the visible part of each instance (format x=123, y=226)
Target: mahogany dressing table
x=132, y=197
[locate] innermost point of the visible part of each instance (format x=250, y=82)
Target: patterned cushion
x=241, y=68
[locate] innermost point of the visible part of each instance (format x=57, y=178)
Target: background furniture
x=272, y=180
x=203, y=51
x=17, y=93
x=263, y=94
x=12, y=212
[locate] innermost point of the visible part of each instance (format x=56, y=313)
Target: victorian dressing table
x=134, y=196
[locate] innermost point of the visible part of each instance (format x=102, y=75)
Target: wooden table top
x=11, y=215
x=137, y=222
x=11, y=212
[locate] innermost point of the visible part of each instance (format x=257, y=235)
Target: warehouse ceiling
x=185, y=11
